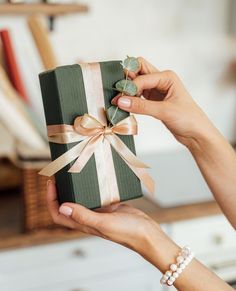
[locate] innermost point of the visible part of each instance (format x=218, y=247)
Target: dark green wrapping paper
x=64, y=99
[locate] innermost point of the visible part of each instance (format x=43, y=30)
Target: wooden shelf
x=11, y=225
x=46, y=9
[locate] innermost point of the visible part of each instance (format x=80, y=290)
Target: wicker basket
x=36, y=215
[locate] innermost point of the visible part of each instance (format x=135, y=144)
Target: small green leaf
x=114, y=114
x=131, y=64
x=127, y=87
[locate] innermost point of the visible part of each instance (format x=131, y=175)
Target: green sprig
x=126, y=86
x=130, y=64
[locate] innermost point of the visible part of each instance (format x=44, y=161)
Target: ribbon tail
x=124, y=151
x=144, y=177
x=86, y=154
x=133, y=162
x=64, y=159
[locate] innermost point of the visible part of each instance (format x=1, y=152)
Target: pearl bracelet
x=183, y=259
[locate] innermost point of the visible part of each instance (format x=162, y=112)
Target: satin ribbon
x=91, y=132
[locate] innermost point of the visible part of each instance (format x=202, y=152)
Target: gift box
x=85, y=91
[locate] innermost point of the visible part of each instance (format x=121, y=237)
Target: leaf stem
x=122, y=94
x=113, y=116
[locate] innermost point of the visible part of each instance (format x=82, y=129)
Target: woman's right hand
x=166, y=99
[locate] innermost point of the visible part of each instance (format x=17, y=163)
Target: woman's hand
x=135, y=230
x=166, y=99
x=120, y=223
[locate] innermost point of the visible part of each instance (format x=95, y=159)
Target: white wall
x=188, y=36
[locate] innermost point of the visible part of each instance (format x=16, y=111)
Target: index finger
x=144, y=68
x=162, y=81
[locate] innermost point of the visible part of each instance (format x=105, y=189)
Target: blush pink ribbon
x=90, y=133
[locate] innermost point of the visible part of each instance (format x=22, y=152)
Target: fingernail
x=124, y=102
x=65, y=210
x=113, y=101
x=48, y=182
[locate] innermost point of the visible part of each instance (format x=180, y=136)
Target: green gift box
x=72, y=91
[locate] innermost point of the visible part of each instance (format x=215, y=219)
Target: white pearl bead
x=179, y=270
x=179, y=259
x=168, y=273
x=184, y=253
x=175, y=275
x=173, y=267
x=187, y=261
x=186, y=247
x=169, y=283
x=165, y=277
x=163, y=281
x=183, y=259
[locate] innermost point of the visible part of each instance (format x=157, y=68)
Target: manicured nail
x=124, y=102
x=48, y=182
x=114, y=101
x=65, y=210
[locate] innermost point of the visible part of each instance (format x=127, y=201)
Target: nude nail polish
x=124, y=102
x=65, y=210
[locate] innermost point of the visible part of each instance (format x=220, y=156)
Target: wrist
x=204, y=140
x=159, y=249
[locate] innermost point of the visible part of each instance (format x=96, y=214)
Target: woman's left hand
x=134, y=229
x=119, y=222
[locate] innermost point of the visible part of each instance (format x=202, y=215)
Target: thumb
x=142, y=106
x=80, y=214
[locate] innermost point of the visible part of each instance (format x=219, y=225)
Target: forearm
x=161, y=251
x=217, y=161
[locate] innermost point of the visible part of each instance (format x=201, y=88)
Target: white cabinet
x=138, y=280
x=207, y=235
x=94, y=264
x=90, y=264
x=212, y=239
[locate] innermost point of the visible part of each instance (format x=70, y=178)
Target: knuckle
x=171, y=74
x=140, y=105
x=141, y=59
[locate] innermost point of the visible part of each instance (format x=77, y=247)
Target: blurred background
x=196, y=39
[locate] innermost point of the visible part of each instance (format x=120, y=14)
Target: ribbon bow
x=91, y=133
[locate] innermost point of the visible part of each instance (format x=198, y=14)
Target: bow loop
x=87, y=125
x=91, y=133
x=127, y=126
